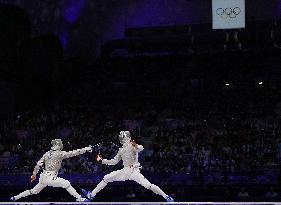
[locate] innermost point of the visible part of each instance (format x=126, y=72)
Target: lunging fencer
x=128, y=153
x=51, y=164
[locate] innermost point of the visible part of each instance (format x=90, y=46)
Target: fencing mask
x=57, y=144
x=124, y=137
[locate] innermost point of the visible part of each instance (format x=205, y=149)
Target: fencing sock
x=99, y=187
x=157, y=190
x=73, y=192
x=23, y=194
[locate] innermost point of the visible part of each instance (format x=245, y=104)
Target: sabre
x=103, y=129
x=96, y=145
x=114, y=144
x=101, y=138
x=99, y=147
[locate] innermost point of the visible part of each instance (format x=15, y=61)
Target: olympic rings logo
x=230, y=13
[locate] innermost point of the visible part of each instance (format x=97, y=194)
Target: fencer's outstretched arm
x=113, y=161
x=76, y=152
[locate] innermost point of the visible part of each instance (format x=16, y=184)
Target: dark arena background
x=205, y=103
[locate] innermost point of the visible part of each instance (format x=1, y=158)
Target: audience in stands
x=204, y=134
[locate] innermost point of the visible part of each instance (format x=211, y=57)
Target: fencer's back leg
x=140, y=179
x=35, y=190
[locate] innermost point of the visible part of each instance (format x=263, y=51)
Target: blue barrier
x=160, y=178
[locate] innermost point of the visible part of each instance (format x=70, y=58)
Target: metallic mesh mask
x=57, y=144
x=124, y=137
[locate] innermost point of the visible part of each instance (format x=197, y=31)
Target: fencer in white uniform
x=128, y=153
x=51, y=164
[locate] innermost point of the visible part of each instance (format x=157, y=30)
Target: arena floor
x=145, y=203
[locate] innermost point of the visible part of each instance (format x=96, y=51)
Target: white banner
x=228, y=14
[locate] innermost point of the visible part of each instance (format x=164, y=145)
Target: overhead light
x=227, y=84
x=260, y=83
